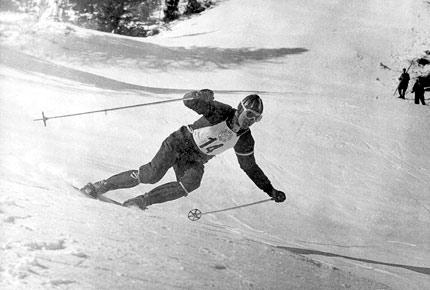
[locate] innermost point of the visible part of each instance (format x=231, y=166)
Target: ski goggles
x=251, y=114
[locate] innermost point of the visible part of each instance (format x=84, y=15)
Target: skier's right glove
x=277, y=195
x=206, y=94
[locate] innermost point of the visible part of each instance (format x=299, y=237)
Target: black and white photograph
x=215, y=144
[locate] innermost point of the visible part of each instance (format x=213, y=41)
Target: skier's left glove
x=277, y=195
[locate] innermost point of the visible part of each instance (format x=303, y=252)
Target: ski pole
x=45, y=118
x=196, y=214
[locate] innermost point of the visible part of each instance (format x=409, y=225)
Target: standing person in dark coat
x=404, y=82
x=418, y=89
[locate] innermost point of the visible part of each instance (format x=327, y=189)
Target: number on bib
x=211, y=148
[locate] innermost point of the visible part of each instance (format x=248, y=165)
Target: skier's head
x=404, y=69
x=249, y=111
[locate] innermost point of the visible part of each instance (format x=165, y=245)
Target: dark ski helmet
x=250, y=110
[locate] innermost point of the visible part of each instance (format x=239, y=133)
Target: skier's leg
x=165, y=158
x=151, y=172
x=165, y=192
x=124, y=179
x=189, y=175
x=188, y=180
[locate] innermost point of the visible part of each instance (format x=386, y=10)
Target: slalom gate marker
x=45, y=118
x=196, y=214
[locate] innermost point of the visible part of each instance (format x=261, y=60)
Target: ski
x=99, y=197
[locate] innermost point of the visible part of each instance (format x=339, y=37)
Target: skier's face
x=245, y=123
x=247, y=118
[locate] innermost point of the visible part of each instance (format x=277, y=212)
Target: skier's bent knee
x=187, y=187
x=148, y=176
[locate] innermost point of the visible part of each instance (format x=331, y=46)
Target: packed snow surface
x=352, y=159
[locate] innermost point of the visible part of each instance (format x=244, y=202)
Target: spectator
x=418, y=89
x=403, y=85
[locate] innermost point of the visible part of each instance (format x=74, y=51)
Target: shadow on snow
x=32, y=64
x=300, y=251
x=99, y=48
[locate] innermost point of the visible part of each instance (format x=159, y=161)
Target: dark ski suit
x=180, y=151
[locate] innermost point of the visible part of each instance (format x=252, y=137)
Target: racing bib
x=213, y=140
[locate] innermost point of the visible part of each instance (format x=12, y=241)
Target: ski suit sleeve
x=245, y=155
x=203, y=103
x=254, y=172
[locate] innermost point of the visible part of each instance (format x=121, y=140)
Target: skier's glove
x=277, y=195
x=206, y=94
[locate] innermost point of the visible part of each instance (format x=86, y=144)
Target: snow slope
x=351, y=157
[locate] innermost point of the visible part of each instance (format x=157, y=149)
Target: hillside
x=350, y=156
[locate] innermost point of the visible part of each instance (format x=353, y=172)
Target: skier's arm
x=244, y=149
x=203, y=103
x=254, y=172
x=200, y=101
x=247, y=163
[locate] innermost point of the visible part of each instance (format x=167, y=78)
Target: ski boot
x=165, y=192
x=95, y=189
x=140, y=201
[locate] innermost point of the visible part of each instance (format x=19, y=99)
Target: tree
x=113, y=15
x=171, y=11
x=193, y=7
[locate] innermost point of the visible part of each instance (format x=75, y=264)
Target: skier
x=187, y=150
x=403, y=85
x=418, y=89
